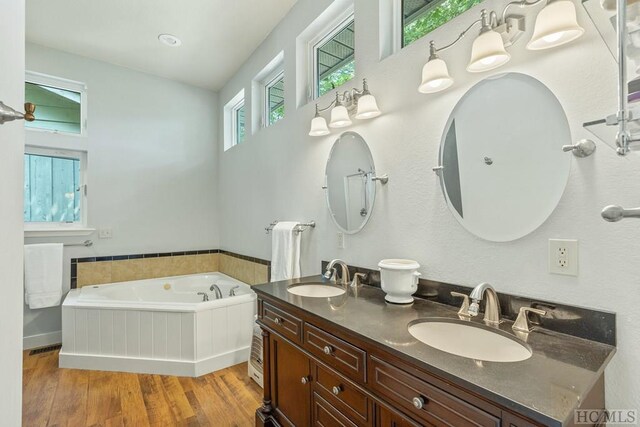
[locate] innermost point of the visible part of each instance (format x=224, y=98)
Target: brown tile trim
x=76, y=261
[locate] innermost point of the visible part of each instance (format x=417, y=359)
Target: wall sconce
x=359, y=103
x=555, y=25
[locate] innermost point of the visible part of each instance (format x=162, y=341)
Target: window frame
x=234, y=122
x=270, y=82
x=344, y=20
x=398, y=19
x=65, y=84
x=79, y=228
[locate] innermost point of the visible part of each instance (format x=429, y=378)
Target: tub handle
x=232, y=292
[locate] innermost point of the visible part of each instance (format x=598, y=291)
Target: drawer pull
x=305, y=380
x=327, y=349
x=277, y=321
x=336, y=390
x=418, y=402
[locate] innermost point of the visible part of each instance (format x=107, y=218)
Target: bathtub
x=158, y=326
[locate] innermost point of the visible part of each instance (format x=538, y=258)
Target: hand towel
x=43, y=275
x=285, y=252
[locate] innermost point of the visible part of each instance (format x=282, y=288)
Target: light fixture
x=488, y=51
x=435, y=73
x=339, y=115
x=367, y=104
x=169, y=40
x=556, y=24
x=319, y=125
x=359, y=103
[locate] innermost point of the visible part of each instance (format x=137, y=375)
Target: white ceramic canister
x=399, y=279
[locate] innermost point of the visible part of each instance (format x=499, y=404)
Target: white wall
x=11, y=164
x=278, y=174
x=151, y=164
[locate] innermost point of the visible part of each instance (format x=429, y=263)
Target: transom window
x=420, y=17
x=274, y=97
x=53, y=186
x=334, y=58
x=61, y=104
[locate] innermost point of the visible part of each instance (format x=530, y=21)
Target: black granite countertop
x=546, y=387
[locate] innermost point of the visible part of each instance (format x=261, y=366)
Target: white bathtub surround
x=285, y=251
x=43, y=275
x=158, y=326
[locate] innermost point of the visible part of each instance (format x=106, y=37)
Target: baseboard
x=141, y=365
x=42, y=340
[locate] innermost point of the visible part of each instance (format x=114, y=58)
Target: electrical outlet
x=563, y=257
x=340, y=240
x=105, y=233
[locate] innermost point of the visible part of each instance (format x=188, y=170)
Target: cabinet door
x=387, y=418
x=291, y=383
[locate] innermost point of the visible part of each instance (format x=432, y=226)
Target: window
x=274, y=99
x=420, y=17
x=234, y=121
x=53, y=186
x=238, y=123
x=334, y=58
x=61, y=104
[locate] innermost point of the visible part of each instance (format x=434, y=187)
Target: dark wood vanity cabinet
x=321, y=377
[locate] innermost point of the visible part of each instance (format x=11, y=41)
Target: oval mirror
x=503, y=170
x=349, y=184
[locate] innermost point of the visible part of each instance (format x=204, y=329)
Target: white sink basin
x=469, y=340
x=316, y=290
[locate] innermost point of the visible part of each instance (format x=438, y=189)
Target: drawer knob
x=327, y=349
x=305, y=380
x=336, y=389
x=418, y=402
x=277, y=321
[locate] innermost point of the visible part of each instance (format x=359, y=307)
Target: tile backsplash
x=122, y=268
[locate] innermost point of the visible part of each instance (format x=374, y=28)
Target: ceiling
x=217, y=35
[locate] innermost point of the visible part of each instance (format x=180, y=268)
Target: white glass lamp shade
x=435, y=77
x=487, y=53
x=367, y=108
x=339, y=117
x=319, y=127
x=556, y=24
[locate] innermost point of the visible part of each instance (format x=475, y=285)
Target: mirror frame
x=326, y=184
x=443, y=138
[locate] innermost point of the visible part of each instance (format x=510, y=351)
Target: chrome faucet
x=205, y=296
x=331, y=272
x=492, y=307
x=232, y=292
x=216, y=289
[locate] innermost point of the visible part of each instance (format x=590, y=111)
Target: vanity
x=350, y=360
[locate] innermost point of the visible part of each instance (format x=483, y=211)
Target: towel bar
x=298, y=229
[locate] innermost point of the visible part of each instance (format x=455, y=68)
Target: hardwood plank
x=56, y=397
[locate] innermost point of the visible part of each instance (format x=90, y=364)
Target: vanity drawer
x=343, y=393
x=338, y=354
x=283, y=323
x=325, y=415
x=423, y=400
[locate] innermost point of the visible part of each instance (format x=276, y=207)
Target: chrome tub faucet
x=216, y=289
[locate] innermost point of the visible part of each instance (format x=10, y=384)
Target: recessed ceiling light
x=169, y=40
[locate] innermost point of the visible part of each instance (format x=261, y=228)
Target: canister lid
x=399, y=264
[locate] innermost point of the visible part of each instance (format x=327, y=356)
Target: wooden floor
x=70, y=397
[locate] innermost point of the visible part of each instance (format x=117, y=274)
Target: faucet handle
x=356, y=282
x=522, y=322
x=464, y=309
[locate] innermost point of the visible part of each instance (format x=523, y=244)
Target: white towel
x=285, y=252
x=43, y=275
